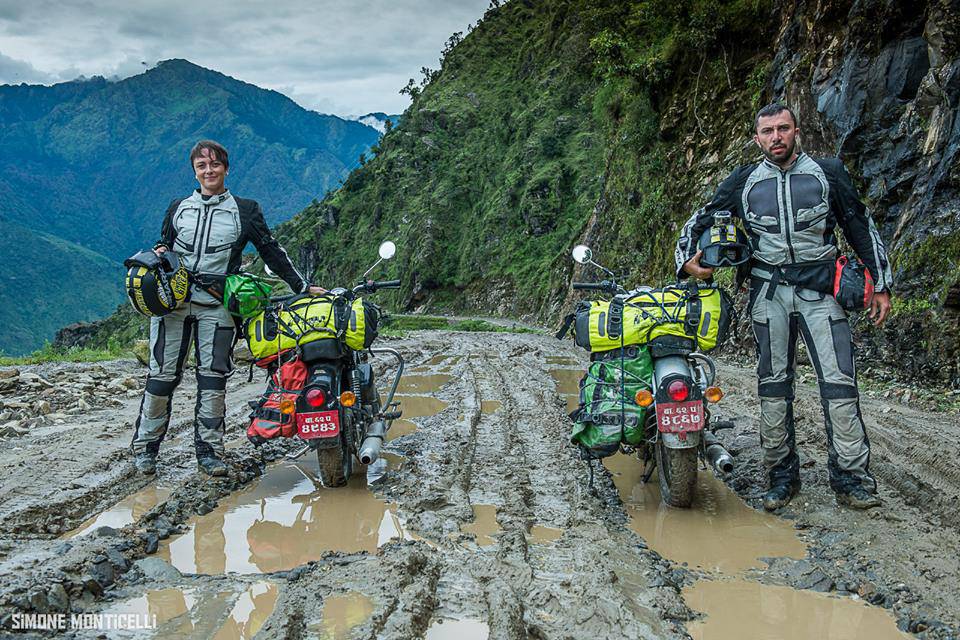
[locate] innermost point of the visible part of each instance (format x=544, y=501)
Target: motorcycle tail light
x=678, y=391
x=643, y=398
x=713, y=394
x=316, y=397
x=348, y=398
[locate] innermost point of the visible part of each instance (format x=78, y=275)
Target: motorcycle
x=678, y=427
x=328, y=390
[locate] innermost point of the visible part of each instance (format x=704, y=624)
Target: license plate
x=680, y=417
x=322, y=424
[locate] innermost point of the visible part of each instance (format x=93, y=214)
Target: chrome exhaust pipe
x=718, y=457
x=370, y=449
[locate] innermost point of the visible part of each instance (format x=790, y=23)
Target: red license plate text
x=322, y=424
x=680, y=417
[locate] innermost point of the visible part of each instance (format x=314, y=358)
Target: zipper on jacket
x=787, y=221
x=200, y=244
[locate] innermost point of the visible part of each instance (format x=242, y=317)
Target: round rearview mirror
x=269, y=271
x=387, y=250
x=582, y=253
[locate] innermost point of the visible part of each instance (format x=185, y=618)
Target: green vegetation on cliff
x=540, y=128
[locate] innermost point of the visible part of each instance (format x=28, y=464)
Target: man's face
x=776, y=136
x=210, y=172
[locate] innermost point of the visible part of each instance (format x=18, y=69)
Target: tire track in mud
x=519, y=462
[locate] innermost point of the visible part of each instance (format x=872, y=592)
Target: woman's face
x=210, y=172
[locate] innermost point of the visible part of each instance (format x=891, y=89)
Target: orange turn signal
x=713, y=394
x=287, y=406
x=348, y=398
x=643, y=398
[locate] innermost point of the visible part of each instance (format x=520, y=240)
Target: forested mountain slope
x=95, y=164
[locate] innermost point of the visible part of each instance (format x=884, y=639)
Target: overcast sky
x=334, y=56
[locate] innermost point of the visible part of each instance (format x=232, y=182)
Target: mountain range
x=89, y=167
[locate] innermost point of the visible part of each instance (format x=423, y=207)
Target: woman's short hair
x=214, y=148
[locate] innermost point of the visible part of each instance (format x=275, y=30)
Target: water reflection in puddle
x=484, y=524
x=341, y=614
x=223, y=615
x=752, y=611
x=568, y=385
x=490, y=406
x=721, y=534
x=282, y=521
x=445, y=629
x=125, y=512
x=413, y=407
x=423, y=383
x=718, y=533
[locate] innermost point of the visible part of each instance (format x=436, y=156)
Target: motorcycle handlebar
x=373, y=285
x=609, y=287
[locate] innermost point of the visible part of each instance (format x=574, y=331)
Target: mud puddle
x=540, y=534
x=721, y=535
x=489, y=406
x=125, y=512
x=282, y=521
x=423, y=383
x=414, y=407
x=484, y=525
x=748, y=610
x=568, y=385
x=341, y=614
x=192, y=612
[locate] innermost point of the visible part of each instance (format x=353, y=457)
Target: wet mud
x=482, y=523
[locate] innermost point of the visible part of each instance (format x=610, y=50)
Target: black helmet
x=156, y=284
x=724, y=244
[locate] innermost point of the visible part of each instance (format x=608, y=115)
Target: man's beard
x=786, y=155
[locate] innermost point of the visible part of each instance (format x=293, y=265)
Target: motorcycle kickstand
x=648, y=467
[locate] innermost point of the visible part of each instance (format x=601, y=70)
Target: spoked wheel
x=677, y=472
x=336, y=463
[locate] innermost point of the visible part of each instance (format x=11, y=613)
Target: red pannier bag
x=266, y=419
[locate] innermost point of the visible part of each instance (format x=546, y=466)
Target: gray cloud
x=13, y=71
x=337, y=56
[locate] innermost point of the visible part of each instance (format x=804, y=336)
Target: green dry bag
x=246, y=295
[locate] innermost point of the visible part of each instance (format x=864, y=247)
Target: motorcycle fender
x=324, y=443
x=674, y=440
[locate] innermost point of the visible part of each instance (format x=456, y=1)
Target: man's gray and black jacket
x=210, y=232
x=791, y=217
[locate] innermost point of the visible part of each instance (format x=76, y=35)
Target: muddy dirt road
x=481, y=522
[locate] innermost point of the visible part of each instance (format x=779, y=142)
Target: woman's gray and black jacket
x=210, y=233
x=791, y=218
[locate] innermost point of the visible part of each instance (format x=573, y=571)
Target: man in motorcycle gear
x=209, y=230
x=791, y=205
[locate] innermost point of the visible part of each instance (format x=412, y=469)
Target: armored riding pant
x=778, y=317
x=212, y=331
